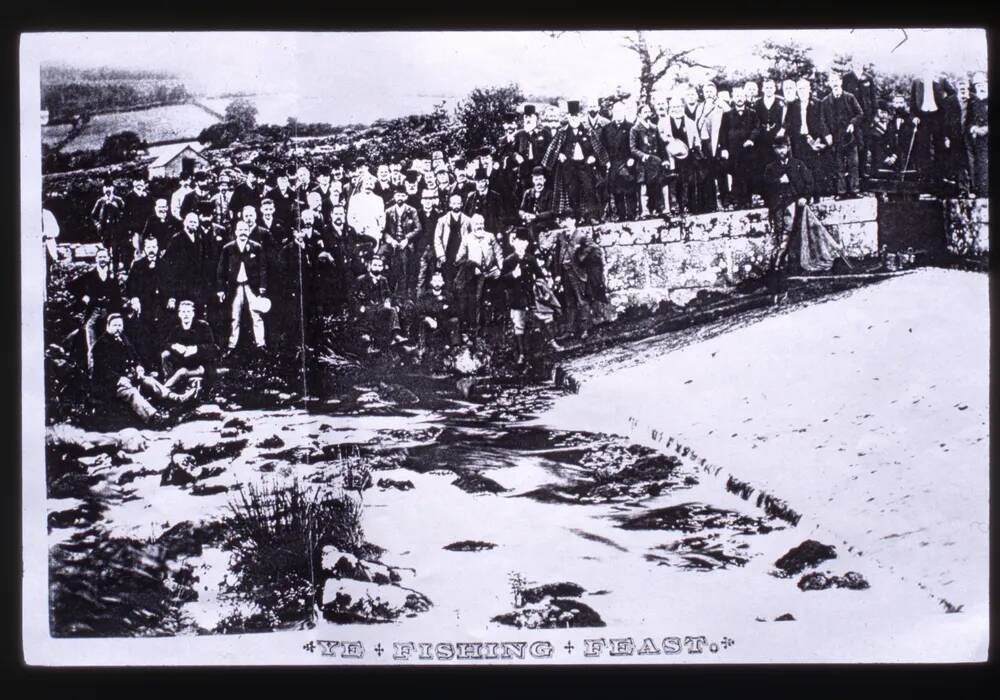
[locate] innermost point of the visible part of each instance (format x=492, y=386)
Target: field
x=152, y=125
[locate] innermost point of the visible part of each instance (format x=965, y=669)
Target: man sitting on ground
x=191, y=351
x=118, y=374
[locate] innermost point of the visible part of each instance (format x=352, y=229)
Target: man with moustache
x=843, y=117
x=573, y=156
x=708, y=120
x=144, y=291
x=283, y=197
x=222, y=214
x=419, y=275
x=138, y=206
x=178, y=195
x=463, y=187
x=770, y=111
x=106, y=215
x=367, y=211
x=859, y=81
x=739, y=126
x=647, y=151
x=383, y=184
x=622, y=186
x=98, y=290
x=159, y=225
x=402, y=227
x=269, y=220
x=536, y=205
x=194, y=199
x=303, y=186
x=190, y=351
x=684, y=191
x=485, y=202
x=189, y=265
x=242, y=276
x=247, y=193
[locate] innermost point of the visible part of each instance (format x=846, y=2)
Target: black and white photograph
x=411, y=348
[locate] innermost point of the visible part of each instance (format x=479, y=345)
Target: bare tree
x=656, y=61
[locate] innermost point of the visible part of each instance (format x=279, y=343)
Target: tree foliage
x=789, y=60
x=121, y=146
x=480, y=115
x=656, y=62
x=242, y=113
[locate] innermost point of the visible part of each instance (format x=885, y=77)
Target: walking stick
x=906, y=163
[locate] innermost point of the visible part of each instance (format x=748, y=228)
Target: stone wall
x=967, y=226
x=651, y=261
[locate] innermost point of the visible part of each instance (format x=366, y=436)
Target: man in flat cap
x=532, y=143
x=574, y=154
x=138, y=205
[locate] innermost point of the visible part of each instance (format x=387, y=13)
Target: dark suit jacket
x=780, y=194
x=489, y=206
x=113, y=359
x=863, y=88
x=769, y=121
x=189, y=267
x=146, y=284
x=137, y=209
x=736, y=128
x=815, y=122
x=242, y=196
x=254, y=261
x=400, y=225
x=838, y=113
x=103, y=294
x=162, y=231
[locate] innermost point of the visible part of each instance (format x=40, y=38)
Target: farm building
x=169, y=160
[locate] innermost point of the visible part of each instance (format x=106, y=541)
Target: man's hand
x=403, y=244
x=519, y=158
x=724, y=154
x=784, y=179
x=528, y=217
x=222, y=296
x=630, y=162
x=361, y=309
x=849, y=129
x=591, y=160
x=326, y=257
x=86, y=299
x=136, y=306
x=387, y=303
x=562, y=157
x=829, y=139
x=171, y=303
x=801, y=201
x=916, y=120
x=178, y=348
x=780, y=132
x=516, y=272
x=431, y=322
x=947, y=142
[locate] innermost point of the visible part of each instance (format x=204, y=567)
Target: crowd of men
x=430, y=253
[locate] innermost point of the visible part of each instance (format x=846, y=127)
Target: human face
x=367, y=185
x=314, y=200
x=461, y=175
x=186, y=313
x=139, y=187
x=750, y=89
x=710, y=92
x=520, y=246
x=242, y=233
x=768, y=88
x=411, y=187
x=161, y=208
x=323, y=180
x=788, y=89
x=282, y=182
x=482, y=186
x=249, y=215
x=267, y=209
x=644, y=113
x=803, y=90
x=574, y=120
x=116, y=326
x=338, y=172
x=478, y=227
x=691, y=96
x=782, y=151
x=191, y=222
x=383, y=173
x=538, y=181
x=437, y=282
x=899, y=104
x=836, y=83
x=308, y=217
x=963, y=90
x=739, y=97
x=530, y=122
x=442, y=179
x=676, y=110
x=982, y=90
x=338, y=216
x=102, y=258
x=455, y=203
x=427, y=204
x=151, y=249
x=302, y=175
x=399, y=198
x=376, y=266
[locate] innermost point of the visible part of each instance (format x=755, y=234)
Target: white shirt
x=929, y=104
x=241, y=276
x=366, y=214
x=804, y=129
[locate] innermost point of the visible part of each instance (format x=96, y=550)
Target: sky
x=372, y=66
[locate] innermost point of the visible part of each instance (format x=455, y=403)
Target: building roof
x=161, y=155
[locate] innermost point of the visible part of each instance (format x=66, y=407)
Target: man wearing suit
x=463, y=187
x=787, y=181
x=106, y=215
x=402, y=226
x=930, y=102
x=189, y=265
x=193, y=200
x=189, y=351
x=242, y=275
x=977, y=127
x=646, y=150
x=536, y=205
x=708, y=119
x=843, y=117
x=283, y=197
x=684, y=192
x=485, y=202
x=770, y=110
x=451, y=228
x=246, y=193
x=144, y=291
x=269, y=220
x=736, y=147
x=98, y=290
x=622, y=187
x=807, y=129
x=138, y=206
x=859, y=82
x=159, y=225
x=532, y=143
x=383, y=184
x=960, y=167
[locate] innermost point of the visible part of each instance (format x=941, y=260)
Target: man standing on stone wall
x=843, y=117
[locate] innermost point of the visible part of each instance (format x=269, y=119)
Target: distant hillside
x=67, y=91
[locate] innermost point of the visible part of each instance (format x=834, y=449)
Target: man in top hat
x=646, y=152
x=532, y=143
x=485, y=202
x=247, y=192
x=402, y=227
x=106, y=214
x=622, y=180
x=843, y=117
x=575, y=153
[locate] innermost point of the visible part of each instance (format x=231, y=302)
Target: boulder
x=350, y=601
x=342, y=565
x=553, y=613
x=804, y=556
x=176, y=475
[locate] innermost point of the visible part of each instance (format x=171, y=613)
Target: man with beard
x=194, y=199
x=787, y=181
x=883, y=141
x=159, y=225
x=241, y=277
x=358, y=249
x=647, y=151
x=532, y=144
x=684, y=193
x=859, y=82
x=367, y=212
x=478, y=263
x=736, y=148
x=413, y=186
x=190, y=351
x=118, y=375
x=536, y=205
x=144, y=290
x=442, y=180
x=843, y=117
x=808, y=131
x=497, y=182
x=485, y=202
x=770, y=111
x=247, y=193
x=930, y=99
x=574, y=154
x=751, y=92
x=98, y=290
x=709, y=123
x=402, y=227
x=283, y=197
x=314, y=203
x=138, y=206
x=520, y=272
x=900, y=134
x=621, y=185
x=188, y=263
x=106, y=214
x=452, y=227
x=376, y=311
x=977, y=130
